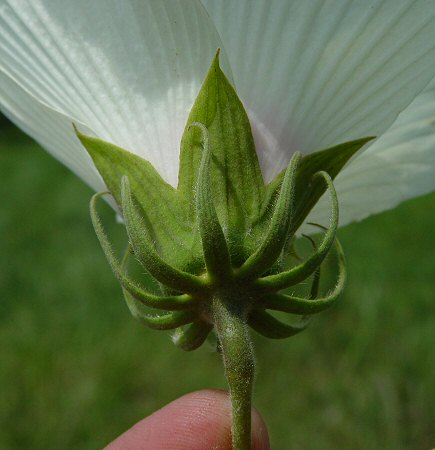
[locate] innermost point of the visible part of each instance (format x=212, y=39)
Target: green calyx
x=223, y=233
x=220, y=243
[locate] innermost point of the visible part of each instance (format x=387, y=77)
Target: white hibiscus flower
x=310, y=74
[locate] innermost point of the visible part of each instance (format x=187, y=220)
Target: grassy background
x=76, y=370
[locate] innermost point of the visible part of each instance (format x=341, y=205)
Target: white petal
x=399, y=166
x=50, y=128
x=129, y=70
x=317, y=73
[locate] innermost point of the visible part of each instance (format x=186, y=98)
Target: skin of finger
x=197, y=421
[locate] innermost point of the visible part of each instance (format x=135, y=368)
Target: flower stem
x=239, y=364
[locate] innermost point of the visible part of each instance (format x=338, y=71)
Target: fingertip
x=197, y=421
x=260, y=435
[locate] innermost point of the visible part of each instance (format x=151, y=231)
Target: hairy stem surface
x=239, y=364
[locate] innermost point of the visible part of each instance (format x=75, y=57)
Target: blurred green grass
x=76, y=370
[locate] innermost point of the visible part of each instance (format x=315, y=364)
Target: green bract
x=223, y=229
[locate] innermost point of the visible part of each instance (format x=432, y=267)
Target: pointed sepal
x=236, y=177
x=309, y=190
x=159, y=203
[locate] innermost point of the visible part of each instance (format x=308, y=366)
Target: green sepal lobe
x=237, y=182
x=308, y=190
x=160, y=205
